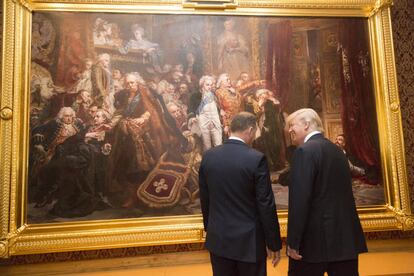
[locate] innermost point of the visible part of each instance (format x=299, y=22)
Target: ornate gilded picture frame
x=101, y=132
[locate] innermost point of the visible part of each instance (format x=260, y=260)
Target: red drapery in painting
x=358, y=103
x=278, y=60
x=72, y=51
x=278, y=71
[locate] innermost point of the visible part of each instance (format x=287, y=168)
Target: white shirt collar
x=310, y=135
x=237, y=138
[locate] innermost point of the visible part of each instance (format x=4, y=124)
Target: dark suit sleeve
x=300, y=195
x=204, y=196
x=265, y=201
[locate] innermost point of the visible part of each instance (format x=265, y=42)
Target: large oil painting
x=122, y=106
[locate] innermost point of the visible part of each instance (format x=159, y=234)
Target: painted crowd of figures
x=126, y=139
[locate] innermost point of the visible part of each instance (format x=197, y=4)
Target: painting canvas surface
x=123, y=106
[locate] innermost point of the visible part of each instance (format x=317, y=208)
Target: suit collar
x=310, y=134
x=236, y=138
x=234, y=141
x=316, y=136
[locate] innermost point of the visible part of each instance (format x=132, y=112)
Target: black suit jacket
x=323, y=223
x=237, y=202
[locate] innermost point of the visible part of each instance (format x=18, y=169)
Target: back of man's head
x=307, y=115
x=242, y=121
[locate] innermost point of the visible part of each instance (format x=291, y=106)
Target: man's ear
x=252, y=130
x=247, y=131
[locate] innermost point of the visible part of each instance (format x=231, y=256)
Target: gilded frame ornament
x=17, y=237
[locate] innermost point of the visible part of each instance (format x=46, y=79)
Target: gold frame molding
x=17, y=237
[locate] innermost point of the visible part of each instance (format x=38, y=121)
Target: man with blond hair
x=324, y=231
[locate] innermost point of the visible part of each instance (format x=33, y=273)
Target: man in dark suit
x=238, y=204
x=324, y=231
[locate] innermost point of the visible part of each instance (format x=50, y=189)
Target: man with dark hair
x=324, y=231
x=238, y=204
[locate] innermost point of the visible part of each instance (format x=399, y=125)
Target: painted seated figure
x=151, y=52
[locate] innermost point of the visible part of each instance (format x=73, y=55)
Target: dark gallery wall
x=403, y=33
